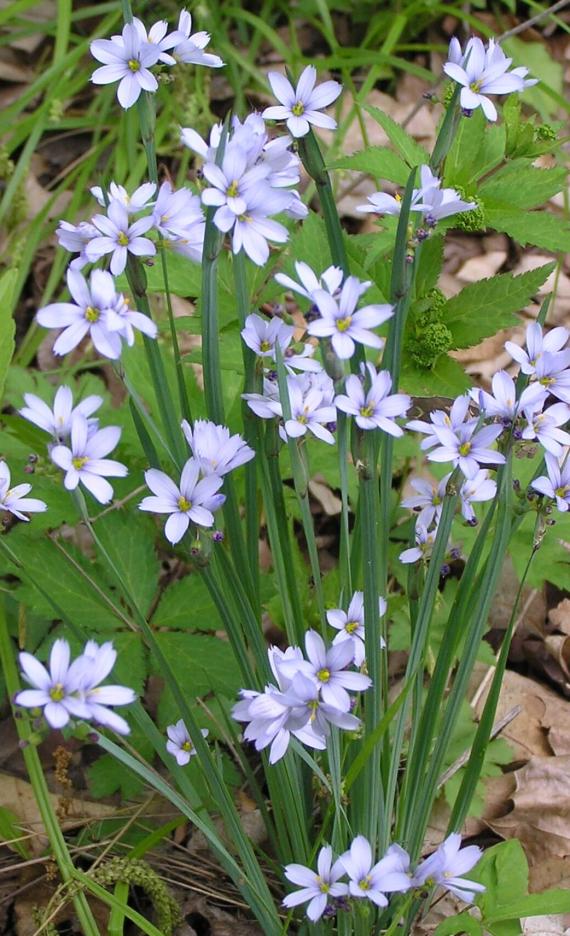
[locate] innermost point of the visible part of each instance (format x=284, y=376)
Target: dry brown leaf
x=483, y=266
x=544, y=926
x=331, y=504
x=18, y=796
x=560, y=616
x=540, y=819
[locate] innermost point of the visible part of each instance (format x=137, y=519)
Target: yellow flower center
x=313, y=706
x=134, y=65
x=79, y=462
x=183, y=504
x=302, y=419
x=186, y=746
x=163, y=218
x=351, y=626
x=344, y=324
x=366, y=411
x=298, y=109
x=465, y=448
x=323, y=675
x=233, y=189
x=265, y=346
x=475, y=86
x=323, y=886
x=92, y=314
x=547, y=381
x=398, y=197
x=364, y=883
x=123, y=239
x=562, y=491
x=57, y=692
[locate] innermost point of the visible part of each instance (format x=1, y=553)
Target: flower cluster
x=129, y=57
x=309, y=695
x=68, y=690
x=464, y=439
x=249, y=183
x=432, y=201
x=98, y=309
x=80, y=447
x=194, y=499
x=482, y=71
x=324, y=891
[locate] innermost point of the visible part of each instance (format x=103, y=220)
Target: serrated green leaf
x=520, y=185
x=204, y=664
x=106, y=777
x=185, y=605
x=482, y=308
x=69, y=588
x=378, y=162
x=460, y=923
x=128, y=537
x=409, y=149
x=539, y=228
x=7, y=323
x=446, y=378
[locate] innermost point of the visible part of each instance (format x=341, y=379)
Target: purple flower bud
x=466, y=112
x=455, y=553
x=445, y=570
x=218, y=536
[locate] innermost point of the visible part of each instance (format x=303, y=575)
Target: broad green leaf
x=377, y=161
x=408, y=148
x=549, y=902
x=478, y=148
x=483, y=308
x=460, y=923
x=446, y=378
x=537, y=57
x=11, y=830
x=186, y=605
x=7, y=323
x=520, y=185
x=202, y=663
x=70, y=589
x=128, y=536
x=539, y=228
x=550, y=563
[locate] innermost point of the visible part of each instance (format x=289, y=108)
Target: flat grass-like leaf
x=539, y=228
x=482, y=308
x=7, y=323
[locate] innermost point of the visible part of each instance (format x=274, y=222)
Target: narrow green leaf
x=7, y=323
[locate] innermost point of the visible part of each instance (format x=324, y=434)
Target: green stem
x=376, y=699
x=300, y=470
x=314, y=163
x=39, y=785
x=475, y=763
x=417, y=650
x=250, y=423
x=137, y=282
x=482, y=596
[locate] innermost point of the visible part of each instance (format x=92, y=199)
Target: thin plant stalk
x=39, y=786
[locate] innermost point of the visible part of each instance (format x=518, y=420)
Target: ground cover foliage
x=314, y=537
